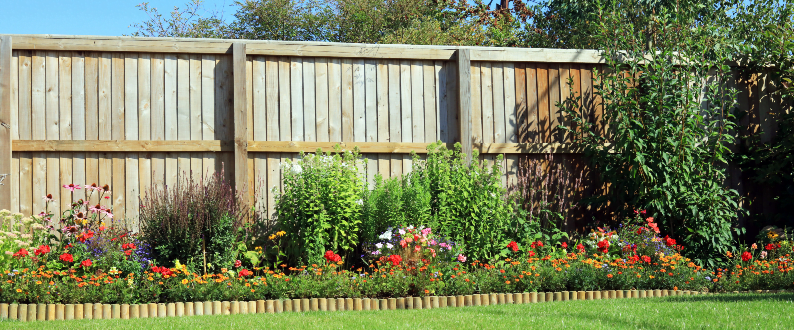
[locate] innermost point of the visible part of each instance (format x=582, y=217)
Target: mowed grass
x=730, y=311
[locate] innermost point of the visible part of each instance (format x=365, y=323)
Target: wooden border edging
x=42, y=312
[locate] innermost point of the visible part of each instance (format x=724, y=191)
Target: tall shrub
x=668, y=115
x=467, y=202
x=193, y=222
x=321, y=204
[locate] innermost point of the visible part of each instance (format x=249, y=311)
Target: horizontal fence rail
x=136, y=112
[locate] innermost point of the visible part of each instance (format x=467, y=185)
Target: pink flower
x=462, y=258
x=237, y=264
x=96, y=208
x=108, y=214
x=417, y=248
x=92, y=186
x=48, y=198
x=71, y=186
x=426, y=231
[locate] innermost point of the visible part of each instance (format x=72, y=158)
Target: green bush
x=467, y=202
x=321, y=206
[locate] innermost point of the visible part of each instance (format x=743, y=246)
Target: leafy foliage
x=668, y=117
x=320, y=207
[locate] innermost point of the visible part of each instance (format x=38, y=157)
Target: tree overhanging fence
x=132, y=112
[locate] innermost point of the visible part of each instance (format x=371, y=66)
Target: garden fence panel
x=136, y=112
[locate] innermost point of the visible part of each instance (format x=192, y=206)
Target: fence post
x=5, y=122
x=464, y=103
x=240, y=116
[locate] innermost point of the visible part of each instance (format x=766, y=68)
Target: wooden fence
x=131, y=112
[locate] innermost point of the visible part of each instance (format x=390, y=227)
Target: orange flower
x=610, y=276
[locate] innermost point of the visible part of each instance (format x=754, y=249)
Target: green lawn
x=732, y=311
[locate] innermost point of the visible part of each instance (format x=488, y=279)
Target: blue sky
x=88, y=17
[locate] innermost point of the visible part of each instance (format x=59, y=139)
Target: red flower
x=640, y=230
x=634, y=259
x=602, y=246
x=670, y=241
x=531, y=254
x=128, y=252
x=513, y=246
x=245, y=273
x=746, y=256
x=564, y=245
x=42, y=250
x=86, y=235
x=403, y=244
x=395, y=259
x=21, y=253
x=332, y=257
x=86, y=263
x=581, y=247
x=417, y=248
x=66, y=257
x=646, y=259
x=770, y=247
x=237, y=264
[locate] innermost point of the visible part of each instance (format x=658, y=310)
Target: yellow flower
x=224, y=270
x=281, y=233
x=38, y=282
x=272, y=237
x=19, y=290
x=185, y=281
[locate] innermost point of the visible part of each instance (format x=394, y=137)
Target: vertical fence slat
x=26, y=161
x=465, y=103
x=395, y=121
x=405, y=125
x=382, y=83
x=347, y=101
x=5, y=120
x=169, y=128
x=78, y=120
x=196, y=113
x=335, y=100
x=90, y=80
x=240, y=116
x=429, y=97
x=321, y=99
x=183, y=114
x=118, y=126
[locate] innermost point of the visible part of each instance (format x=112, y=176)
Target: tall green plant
x=320, y=207
x=668, y=116
x=467, y=202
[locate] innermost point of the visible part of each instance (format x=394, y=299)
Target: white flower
x=387, y=235
x=296, y=169
x=379, y=245
x=402, y=232
x=360, y=202
x=389, y=245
